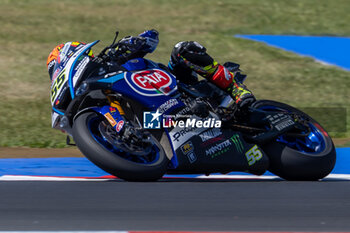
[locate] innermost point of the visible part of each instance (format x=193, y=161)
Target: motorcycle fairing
x=146, y=84
x=69, y=67
x=179, y=135
x=140, y=83
x=222, y=153
x=137, y=64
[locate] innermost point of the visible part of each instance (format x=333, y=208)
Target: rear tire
x=110, y=161
x=291, y=164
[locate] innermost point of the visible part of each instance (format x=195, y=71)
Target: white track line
x=234, y=177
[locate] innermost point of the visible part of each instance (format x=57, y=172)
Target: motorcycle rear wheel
x=309, y=158
x=98, y=150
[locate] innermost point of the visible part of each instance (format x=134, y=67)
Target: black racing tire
x=291, y=164
x=112, y=162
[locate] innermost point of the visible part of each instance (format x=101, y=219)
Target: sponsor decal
x=167, y=105
x=186, y=110
x=51, y=63
x=70, y=54
x=191, y=157
x=209, y=134
x=227, y=74
x=212, y=141
x=280, y=121
x=55, y=74
x=182, y=133
x=276, y=118
x=79, y=69
x=110, y=119
x=62, y=92
x=150, y=82
x=120, y=125
x=253, y=155
x=187, y=149
x=284, y=124
x=238, y=143
x=218, y=149
x=112, y=110
x=75, y=43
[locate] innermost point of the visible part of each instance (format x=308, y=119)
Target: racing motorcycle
x=138, y=123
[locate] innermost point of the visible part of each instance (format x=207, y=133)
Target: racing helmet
x=51, y=60
x=54, y=56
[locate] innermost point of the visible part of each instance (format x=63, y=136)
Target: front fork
x=128, y=139
x=114, y=114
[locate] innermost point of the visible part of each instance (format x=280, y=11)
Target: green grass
x=31, y=28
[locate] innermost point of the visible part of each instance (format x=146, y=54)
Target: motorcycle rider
x=188, y=58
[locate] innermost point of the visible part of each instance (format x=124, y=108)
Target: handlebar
x=113, y=45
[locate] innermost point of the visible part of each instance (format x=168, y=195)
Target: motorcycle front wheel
x=91, y=142
x=293, y=158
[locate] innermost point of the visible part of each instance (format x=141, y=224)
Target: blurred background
x=30, y=29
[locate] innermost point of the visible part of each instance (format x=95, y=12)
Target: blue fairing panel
x=139, y=64
x=135, y=64
x=145, y=82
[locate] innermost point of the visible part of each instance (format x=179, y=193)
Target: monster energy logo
x=238, y=143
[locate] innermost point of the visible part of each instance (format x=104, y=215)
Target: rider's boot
x=192, y=56
x=225, y=79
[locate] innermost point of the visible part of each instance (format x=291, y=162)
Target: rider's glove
x=241, y=95
x=151, y=40
x=145, y=42
x=131, y=47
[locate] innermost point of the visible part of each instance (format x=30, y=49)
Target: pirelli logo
x=110, y=119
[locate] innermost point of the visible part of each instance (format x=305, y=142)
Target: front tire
x=293, y=162
x=98, y=151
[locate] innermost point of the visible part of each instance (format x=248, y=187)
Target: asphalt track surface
x=176, y=204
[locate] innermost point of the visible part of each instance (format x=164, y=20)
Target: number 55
x=253, y=155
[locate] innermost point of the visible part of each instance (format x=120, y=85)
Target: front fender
x=112, y=115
